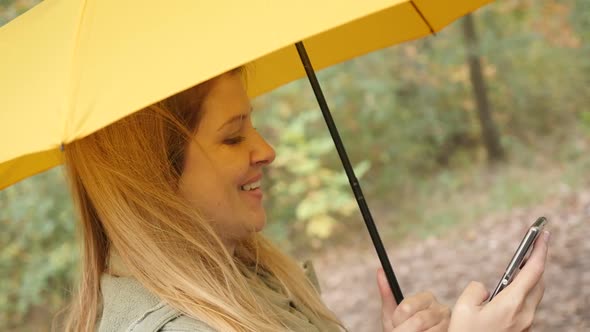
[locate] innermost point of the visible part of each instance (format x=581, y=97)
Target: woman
x=170, y=204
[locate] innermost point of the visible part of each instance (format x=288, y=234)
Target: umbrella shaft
x=354, y=183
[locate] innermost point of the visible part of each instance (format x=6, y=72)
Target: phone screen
x=522, y=253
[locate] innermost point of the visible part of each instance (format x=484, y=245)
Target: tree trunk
x=489, y=132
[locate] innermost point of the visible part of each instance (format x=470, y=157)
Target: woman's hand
x=513, y=309
x=417, y=313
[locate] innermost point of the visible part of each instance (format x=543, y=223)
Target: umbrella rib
x=72, y=88
x=423, y=17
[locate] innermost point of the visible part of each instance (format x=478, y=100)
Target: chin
x=258, y=221
x=259, y=225
x=248, y=228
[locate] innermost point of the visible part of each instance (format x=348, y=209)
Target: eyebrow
x=235, y=118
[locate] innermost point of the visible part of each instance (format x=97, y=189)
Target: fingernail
x=546, y=236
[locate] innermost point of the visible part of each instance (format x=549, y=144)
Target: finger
x=530, y=306
x=412, y=305
x=536, y=295
x=532, y=302
x=531, y=273
x=442, y=326
x=421, y=321
x=388, y=303
x=474, y=294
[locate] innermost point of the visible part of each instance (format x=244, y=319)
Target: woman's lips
x=256, y=193
x=252, y=179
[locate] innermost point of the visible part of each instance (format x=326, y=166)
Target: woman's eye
x=234, y=140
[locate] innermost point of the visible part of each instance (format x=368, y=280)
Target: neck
x=116, y=267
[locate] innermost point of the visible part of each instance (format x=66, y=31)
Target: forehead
x=226, y=98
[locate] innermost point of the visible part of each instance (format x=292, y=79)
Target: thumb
x=475, y=294
x=388, y=303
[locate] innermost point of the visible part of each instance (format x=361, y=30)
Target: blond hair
x=124, y=179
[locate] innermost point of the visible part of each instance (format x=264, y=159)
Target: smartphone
x=521, y=255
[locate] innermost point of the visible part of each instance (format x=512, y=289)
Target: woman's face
x=223, y=163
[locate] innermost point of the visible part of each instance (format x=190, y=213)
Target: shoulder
x=130, y=307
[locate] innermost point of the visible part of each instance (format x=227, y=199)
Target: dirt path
x=446, y=265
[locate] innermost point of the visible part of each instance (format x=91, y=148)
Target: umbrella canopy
x=71, y=67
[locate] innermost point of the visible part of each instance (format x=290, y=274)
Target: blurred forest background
x=490, y=115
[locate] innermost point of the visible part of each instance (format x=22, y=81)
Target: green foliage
x=409, y=111
x=306, y=192
x=9, y=9
x=585, y=120
x=38, y=256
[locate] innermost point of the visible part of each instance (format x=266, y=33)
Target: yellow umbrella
x=71, y=67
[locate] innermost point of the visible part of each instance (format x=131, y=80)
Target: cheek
x=212, y=181
x=194, y=179
x=204, y=194
x=208, y=186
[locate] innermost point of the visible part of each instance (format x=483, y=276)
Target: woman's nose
x=263, y=153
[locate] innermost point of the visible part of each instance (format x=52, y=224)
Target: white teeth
x=251, y=186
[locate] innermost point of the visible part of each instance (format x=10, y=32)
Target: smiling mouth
x=251, y=186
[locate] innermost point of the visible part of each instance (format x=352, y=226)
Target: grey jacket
x=129, y=307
